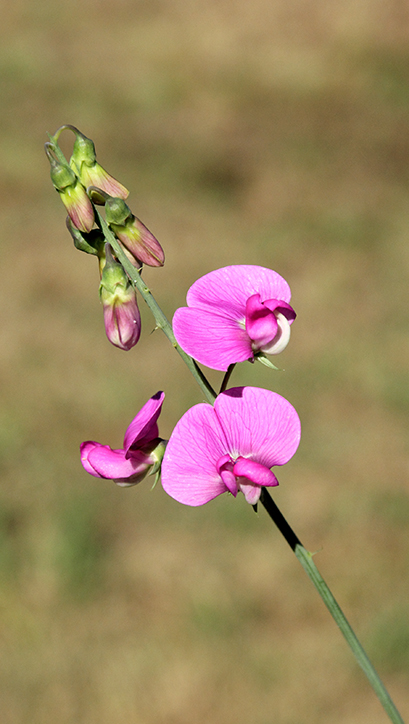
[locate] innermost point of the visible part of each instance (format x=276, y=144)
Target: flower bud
x=84, y=163
x=72, y=193
x=134, y=235
x=121, y=314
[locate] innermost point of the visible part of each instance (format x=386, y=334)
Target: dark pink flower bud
x=132, y=234
x=121, y=314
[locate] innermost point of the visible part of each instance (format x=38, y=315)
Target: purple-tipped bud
x=84, y=163
x=72, y=193
x=134, y=235
x=121, y=314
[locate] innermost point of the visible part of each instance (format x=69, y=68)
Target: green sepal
x=117, y=211
x=260, y=357
x=91, y=242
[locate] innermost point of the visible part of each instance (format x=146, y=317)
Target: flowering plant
x=238, y=313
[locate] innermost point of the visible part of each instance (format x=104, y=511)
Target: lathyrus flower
x=133, y=235
x=84, y=163
x=235, y=314
x=142, y=452
x=230, y=447
x=121, y=313
x=72, y=193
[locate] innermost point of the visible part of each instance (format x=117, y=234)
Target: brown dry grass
x=271, y=133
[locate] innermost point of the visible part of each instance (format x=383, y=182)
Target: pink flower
x=231, y=446
x=142, y=452
x=233, y=315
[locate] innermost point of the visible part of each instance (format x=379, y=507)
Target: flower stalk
x=306, y=560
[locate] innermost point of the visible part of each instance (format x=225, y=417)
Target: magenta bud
x=121, y=314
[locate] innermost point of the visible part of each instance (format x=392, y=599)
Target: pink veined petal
x=113, y=465
x=254, y=472
x=230, y=287
x=189, y=472
x=259, y=424
x=212, y=339
x=143, y=428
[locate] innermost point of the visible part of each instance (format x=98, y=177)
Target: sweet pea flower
x=142, y=452
x=235, y=314
x=230, y=447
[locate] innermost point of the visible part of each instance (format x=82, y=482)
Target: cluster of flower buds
x=82, y=183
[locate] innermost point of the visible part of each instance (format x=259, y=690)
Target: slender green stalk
x=305, y=558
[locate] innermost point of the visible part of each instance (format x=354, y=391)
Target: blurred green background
x=272, y=133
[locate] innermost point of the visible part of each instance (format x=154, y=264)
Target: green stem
x=305, y=558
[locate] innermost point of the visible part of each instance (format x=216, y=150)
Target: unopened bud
x=121, y=314
x=72, y=193
x=134, y=235
x=84, y=163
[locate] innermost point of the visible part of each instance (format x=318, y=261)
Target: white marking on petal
x=282, y=337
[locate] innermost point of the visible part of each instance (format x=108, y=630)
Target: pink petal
x=251, y=492
x=86, y=448
x=212, y=339
x=224, y=467
x=254, y=472
x=259, y=424
x=143, y=428
x=189, y=472
x=112, y=464
x=230, y=287
x=261, y=322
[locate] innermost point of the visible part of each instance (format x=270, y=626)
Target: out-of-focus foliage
x=269, y=133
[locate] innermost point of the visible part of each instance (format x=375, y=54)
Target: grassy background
x=272, y=133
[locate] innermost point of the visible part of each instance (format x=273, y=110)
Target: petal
x=251, y=492
x=85, y=449
x=261, y=322
x=113, y=465
x=197, y=443
x=213, y=339
x=224, y=467
x=259, y=424
x=230, y=287
x=143, y=428
x=254, y=472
